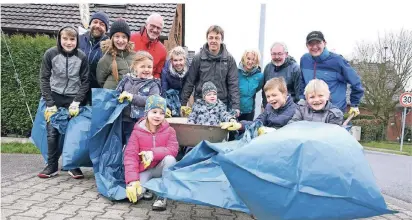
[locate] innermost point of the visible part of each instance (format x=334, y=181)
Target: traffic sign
x=406, y=99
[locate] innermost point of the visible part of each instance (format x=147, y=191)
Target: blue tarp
x=74, y=135
x=198, y=179
x=106, y=150
x=306, y=170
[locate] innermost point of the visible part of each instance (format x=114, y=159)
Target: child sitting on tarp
x=317, y=106
x=136, y=87
x=278, y=112
x=151, y=149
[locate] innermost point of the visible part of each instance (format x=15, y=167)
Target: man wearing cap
x=90, y=44
x=148, y=39
x=333, y=69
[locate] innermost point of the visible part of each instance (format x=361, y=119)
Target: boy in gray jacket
x=317, y=106
x=64, y=82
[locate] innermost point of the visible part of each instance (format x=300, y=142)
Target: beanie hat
x=208, y=87
x=155, y=101
x=120, y=25
x=101, y=16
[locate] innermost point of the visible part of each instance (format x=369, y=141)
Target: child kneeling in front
x=317, y=106
x=151, y=149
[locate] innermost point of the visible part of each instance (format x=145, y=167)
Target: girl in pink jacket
x=151, y=149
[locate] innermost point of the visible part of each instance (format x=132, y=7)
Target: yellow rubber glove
x=147, y=158
x=133, y=190
x=125, y=95
x=354, y=110
x=74, y=109
x=233, y=125
x=168, y=113
x=185, y=111
x=49, y=112
x=264, y=130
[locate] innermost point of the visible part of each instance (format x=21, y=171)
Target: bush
x=359, y=117
x=26, y=54
x=372, y=130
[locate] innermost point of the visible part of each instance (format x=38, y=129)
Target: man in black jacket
x=213, y=63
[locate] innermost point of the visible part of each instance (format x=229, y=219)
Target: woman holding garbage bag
x=118, y=56
x=173, y=76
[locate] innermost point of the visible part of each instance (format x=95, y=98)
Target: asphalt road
x=393, y=172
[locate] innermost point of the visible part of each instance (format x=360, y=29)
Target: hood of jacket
x=289, y=102
x=107, y=46
x=288, y=61
x=142, y=126
x=255, y=70
x=59, y=43
x=206, y=54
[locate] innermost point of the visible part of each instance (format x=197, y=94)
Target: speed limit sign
x=406, y=99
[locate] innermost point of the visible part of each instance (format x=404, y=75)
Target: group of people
x=224, y=92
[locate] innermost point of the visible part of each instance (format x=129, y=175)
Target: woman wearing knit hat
x=118, y=55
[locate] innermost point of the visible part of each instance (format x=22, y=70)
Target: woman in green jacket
x=118, y=56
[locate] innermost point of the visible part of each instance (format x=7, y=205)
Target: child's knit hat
x=208, y=87
x=120, y=25
x=155, y=101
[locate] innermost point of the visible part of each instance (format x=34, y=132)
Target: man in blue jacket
x=90, y=45
x=333, y=69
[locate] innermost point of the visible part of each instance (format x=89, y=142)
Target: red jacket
x=155, y=48
x=162, y=143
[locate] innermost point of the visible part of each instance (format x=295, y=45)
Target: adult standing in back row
x=148, y=39
x=213, y=63
x=333, y=69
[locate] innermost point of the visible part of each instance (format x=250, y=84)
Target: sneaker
x=159, y=204
x=76, y=173
x=49, y=171
x=148, y=195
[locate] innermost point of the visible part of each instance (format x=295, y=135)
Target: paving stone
x=95, y=207
x=204, y=207
x=25, y=192
x=65, y=195
x=225, y=217
x=87, y=215
x=22, y=204
x=137, y=211
x=23, y=218
x=113, y=214
x=202, y=213
x=89, y=194
x=52, y=203
x=6, y=184
x=66, y=186
x=181, y=215
x=102, y=200
x=56, y=216
x=39, y=197
x=43, y=186
x=223, y=212
x=120, y=206
x=7, y=212
x=184, y=207
x=136, y=218
x=403, y=215
x=80, y=201
x=242, y=216
x=157, y=216
x=35, y=211
x=29, y=176
x=67, y=209
x=9, y=198
x=8, y=190
x=52, y=190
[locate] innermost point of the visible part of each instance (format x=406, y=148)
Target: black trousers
x=53, y=150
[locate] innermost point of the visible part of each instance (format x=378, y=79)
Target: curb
x=386, y=151
x=15, y=140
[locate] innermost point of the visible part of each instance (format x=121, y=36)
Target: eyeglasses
x=277, y=54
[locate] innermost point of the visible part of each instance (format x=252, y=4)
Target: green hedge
x=372, y=130
x=27, y=54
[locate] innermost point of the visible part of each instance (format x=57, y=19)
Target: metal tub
x=191, y=135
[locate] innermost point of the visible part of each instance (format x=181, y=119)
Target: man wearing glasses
x=148, y=39
x=333, y=69
x=282, y=65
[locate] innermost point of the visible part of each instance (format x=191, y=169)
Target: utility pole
x=258, y=98
x=84, y=13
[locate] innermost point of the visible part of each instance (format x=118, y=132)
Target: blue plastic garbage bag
x=75, y=148
x=305, y=170
x=74, y=133
x=198, y=179
x=173, y=102
x=106, y=150
x=39, y=131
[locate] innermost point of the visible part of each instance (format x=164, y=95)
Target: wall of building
x=176, y=32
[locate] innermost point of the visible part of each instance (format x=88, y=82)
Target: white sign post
x=406, y=101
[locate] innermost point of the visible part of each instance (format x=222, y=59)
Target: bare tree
x=385, y=67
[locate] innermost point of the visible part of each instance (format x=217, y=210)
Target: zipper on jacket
x=154, y=141
x=67, y=73
x=314, y=70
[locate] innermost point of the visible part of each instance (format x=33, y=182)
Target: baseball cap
x=315, y=35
